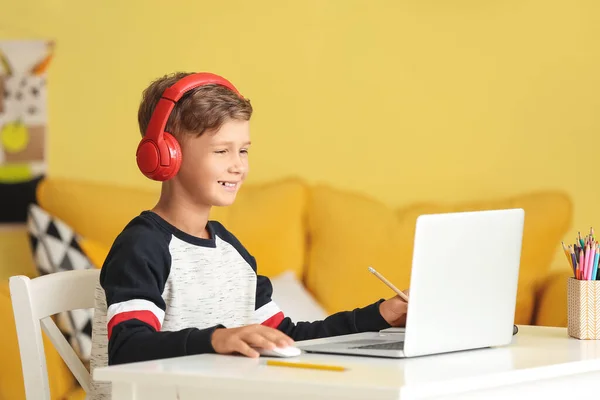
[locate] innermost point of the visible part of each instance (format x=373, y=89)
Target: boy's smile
x=229, y=186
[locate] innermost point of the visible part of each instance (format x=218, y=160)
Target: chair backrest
x=34, y=302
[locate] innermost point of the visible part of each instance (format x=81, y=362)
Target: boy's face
x=216, y=163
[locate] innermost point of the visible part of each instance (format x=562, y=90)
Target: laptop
x=463, y=289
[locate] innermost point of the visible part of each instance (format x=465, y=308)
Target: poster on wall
x=23, y=124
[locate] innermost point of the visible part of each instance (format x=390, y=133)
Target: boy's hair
x=204, y=108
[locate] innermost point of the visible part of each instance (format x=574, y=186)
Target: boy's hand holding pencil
x=393, y=310
x=583, y=257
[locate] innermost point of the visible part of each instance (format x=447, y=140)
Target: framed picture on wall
x=23, y=124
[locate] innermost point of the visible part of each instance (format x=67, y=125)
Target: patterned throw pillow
x=55, y=247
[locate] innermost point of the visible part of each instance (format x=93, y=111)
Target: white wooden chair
x=34, y=302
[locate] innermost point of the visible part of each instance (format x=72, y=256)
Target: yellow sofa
x=326, y=236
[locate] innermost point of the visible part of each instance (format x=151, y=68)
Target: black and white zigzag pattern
x=55, y=248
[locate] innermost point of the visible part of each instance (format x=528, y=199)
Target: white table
x=540, y=363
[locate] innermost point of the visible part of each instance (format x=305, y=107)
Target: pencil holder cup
x=583, y=315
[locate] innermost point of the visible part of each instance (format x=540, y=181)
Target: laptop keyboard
x=382, y=346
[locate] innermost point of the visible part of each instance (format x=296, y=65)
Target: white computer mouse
x=289, y=351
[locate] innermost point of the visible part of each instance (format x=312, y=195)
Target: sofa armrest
x=551, y=299
x=60, y=379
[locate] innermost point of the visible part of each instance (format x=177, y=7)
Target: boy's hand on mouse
x=394, y=310
x=243, y=339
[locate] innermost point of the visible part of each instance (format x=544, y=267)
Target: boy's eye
x=220, y=151
x=245, y=151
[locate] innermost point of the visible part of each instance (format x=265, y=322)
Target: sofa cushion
x=56, y=247
x=95, y=251
x=94, y=210
x=291, y=296
x=76, y=394
x=552, y=299
x=349, y=231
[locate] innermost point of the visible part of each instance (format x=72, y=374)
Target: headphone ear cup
x=149, y=160
x=175, y=157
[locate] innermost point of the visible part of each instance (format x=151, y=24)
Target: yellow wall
x=405, y=100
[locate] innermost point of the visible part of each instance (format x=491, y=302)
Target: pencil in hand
x=389, y=284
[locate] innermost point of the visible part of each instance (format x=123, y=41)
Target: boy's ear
x=41, y=67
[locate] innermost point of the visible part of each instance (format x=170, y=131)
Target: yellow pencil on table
x=389, y=284
x=277, y=363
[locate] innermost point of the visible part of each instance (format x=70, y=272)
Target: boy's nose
x=237, y=167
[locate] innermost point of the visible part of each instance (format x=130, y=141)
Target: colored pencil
x=583, y=256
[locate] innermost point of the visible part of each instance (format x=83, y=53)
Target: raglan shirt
x=163, y=292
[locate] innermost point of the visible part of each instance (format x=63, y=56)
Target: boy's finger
x=243, y=348
x=276, y=336
x=258, y=340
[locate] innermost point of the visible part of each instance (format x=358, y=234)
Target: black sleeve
x=133, y=278
x=364, y=319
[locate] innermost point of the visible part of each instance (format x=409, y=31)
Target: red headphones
x=159, y=154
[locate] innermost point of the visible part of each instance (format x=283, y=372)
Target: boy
x=175, y=283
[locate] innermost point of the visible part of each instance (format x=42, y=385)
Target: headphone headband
x=171, y=95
